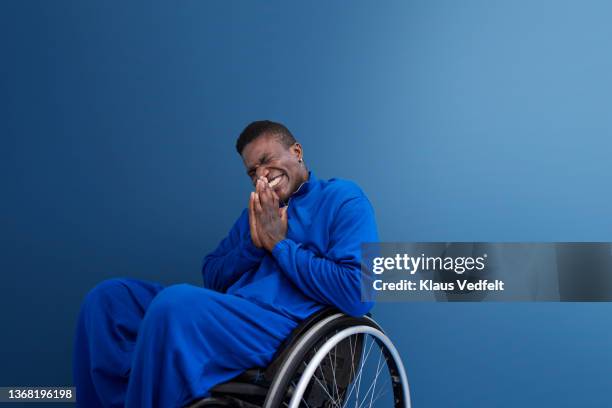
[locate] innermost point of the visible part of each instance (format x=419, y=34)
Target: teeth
x=275, y=181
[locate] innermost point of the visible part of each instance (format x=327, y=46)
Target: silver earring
x=300, y=160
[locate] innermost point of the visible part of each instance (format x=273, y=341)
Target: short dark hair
x=264, y=127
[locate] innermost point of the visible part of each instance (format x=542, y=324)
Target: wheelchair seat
x=330, y=349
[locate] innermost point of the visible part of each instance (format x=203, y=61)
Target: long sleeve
x=334, y=278
x=234, y=256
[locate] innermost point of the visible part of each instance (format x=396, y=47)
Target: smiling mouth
x=275, y=181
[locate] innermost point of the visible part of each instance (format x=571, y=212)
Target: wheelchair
x=331, y=360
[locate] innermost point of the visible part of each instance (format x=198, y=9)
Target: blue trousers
x=138, y=344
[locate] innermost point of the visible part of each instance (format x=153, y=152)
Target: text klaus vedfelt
x=414, y=264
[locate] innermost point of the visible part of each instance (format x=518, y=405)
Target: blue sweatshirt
x=318, y=263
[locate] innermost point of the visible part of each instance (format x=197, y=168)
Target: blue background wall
x=473, y=120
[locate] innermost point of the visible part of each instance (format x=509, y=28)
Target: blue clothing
x=318, y=263
x=138, y=344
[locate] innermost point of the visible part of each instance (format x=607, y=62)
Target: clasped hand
x=268, y=222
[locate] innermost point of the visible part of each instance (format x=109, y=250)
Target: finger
x=262, y=184
x=253, y=222
x=257, y=204
x=265, y=196
x=272, y=197
x=252, y=209
x=275, y=198
x=252, y=218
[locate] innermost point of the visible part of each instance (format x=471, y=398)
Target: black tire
x=281, y=387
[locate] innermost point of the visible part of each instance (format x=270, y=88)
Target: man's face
x=267, y=157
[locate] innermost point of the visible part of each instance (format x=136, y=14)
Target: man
x=294, y=249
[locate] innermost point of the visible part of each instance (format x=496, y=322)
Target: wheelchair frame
x=273, y=384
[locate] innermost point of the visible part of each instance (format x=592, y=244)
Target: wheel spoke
x=305, y=402
x=373, y=385
x=335, y=390
x=322, y=385
x=382, y=392
x=331, y=381
x=357, y=380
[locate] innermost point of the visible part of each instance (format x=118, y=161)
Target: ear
x=296, y=150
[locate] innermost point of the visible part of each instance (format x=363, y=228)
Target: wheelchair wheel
x=343, y=362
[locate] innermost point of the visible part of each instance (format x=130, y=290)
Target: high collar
x=305, y=187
